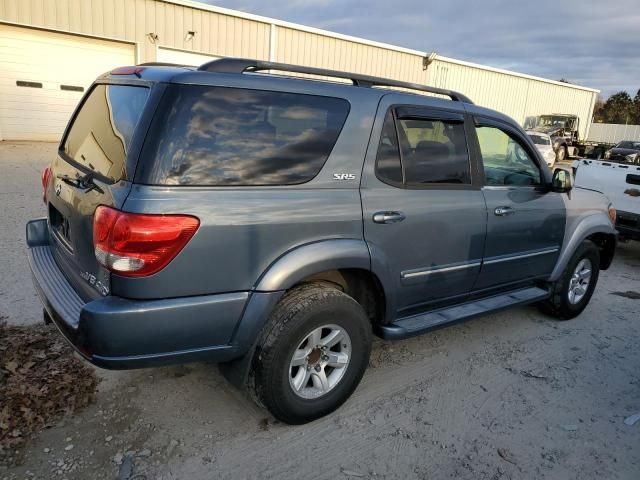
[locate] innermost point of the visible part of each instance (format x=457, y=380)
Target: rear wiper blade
x=85, y=182
x=69, y=180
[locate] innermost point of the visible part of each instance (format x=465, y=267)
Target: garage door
x=44, y=75
x=181, y=57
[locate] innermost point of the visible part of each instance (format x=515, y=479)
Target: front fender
x=585, y=227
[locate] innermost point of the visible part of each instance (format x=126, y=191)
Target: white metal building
x=51, y=51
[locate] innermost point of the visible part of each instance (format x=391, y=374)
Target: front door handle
x=388, y=217
x=502, y=211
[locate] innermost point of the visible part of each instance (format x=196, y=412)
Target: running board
x=423, y=322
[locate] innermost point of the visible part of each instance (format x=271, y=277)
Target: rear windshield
x=101, y=132
x=228, y=136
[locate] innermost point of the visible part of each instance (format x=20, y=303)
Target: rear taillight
x=46, y=176
x=137, y=245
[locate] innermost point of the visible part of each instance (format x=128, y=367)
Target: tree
x=619, y=108
x=636, y=109
x=598, y=110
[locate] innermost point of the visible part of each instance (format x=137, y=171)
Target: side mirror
x=562, y=180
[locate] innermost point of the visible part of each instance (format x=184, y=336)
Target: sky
x=595, y=43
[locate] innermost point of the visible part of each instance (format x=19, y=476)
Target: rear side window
x=426, y=151
x=388, y=165
x=101, y=133
x=228, y=136
x=434, y=151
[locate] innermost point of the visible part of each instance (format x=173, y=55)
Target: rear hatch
x=95, y=165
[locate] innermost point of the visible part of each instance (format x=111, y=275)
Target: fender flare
x=598, y=223
x=325, y=255
x=289, y=269
x=312, y=258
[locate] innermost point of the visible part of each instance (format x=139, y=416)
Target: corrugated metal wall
x=306, y=48
x=613, y=133
x=132, y=20
x=516, y=96
x=223, y=34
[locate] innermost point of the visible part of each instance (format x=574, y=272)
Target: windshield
x=628, y=144
x=101, y=133
x=539, y=139
x=554, y=121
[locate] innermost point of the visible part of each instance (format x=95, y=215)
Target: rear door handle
x=388, y=217
x=502, y=211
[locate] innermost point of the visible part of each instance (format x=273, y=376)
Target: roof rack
x=241, y=65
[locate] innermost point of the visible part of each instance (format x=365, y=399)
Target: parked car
x=271, y=224
x=543, y=143
x=624, y=152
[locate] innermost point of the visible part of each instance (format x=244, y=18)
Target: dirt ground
x=515, y=395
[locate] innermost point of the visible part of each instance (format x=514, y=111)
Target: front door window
x=506, y=161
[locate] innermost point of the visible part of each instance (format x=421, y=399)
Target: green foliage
x=619, y=108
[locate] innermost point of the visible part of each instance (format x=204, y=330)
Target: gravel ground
x=507, y=396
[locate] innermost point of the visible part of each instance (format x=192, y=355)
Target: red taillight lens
x=137, y=245
x=46, y=176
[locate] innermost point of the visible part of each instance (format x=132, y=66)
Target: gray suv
x=272, y=224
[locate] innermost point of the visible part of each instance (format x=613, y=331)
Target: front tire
x=312, y=354
x=571, y=293
x=561, y=154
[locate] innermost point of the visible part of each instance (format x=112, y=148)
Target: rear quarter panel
x=244, y=230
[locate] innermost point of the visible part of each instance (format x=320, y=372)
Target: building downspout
x=272, y=42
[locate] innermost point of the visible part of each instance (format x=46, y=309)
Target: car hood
x=624, y=151
x=544, y=148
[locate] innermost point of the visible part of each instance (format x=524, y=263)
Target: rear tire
x=299, y=369
x=571, y=293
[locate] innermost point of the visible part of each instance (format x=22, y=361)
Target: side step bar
x=423, y=322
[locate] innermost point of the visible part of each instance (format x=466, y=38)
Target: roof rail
x=241, y=65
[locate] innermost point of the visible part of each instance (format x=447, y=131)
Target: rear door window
x=101, y=133
x=223, y=136
x=421, y=151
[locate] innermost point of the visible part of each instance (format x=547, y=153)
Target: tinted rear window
x=433, y=151
x=101, y=133
x=229, y=136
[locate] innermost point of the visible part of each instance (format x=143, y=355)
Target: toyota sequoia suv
x=272, y=224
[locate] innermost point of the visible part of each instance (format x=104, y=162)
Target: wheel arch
x=347, y=263
x=312, y=258
x=596, y=228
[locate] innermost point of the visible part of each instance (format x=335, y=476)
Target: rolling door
x=44, y=75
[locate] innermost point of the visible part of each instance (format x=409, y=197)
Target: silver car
x=543, y=143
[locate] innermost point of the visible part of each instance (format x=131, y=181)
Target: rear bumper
x=118, y=333
x=628, y=225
